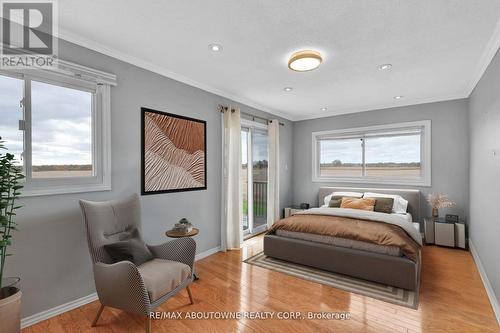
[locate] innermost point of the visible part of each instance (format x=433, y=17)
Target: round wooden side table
x=177, y=234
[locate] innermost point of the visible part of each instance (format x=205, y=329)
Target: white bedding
x=401, y=220
x=407, y=216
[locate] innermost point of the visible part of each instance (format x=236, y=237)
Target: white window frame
x=74, y=76
x=425, y=153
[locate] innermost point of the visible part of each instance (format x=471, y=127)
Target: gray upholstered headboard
x=413, y=196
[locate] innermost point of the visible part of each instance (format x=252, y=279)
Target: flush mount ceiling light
x=215, y=47
x=288, y=89
x=324, y=109
x=384, y=67
x=304, y=61
x=398, y=97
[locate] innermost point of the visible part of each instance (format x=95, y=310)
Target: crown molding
x=489, y=53
x=417, y=101
x=92, y=45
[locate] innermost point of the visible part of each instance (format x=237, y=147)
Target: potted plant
x=438, y=201
x=10, y=185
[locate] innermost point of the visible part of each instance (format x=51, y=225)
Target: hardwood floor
x=452, y=299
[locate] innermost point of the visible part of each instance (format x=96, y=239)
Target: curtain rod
x=222, y=108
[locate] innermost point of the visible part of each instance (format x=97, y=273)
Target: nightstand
x=429, y=230
x=289, y=211
x=440, y=232
x=444, y=233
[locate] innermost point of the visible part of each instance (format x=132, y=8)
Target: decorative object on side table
x=183, y=229
x=437, y=201
x=184, y=226
x=10, y=293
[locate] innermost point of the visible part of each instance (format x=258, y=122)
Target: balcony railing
x=259, y=200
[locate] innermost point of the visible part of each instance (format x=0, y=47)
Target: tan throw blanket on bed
x=379, y=233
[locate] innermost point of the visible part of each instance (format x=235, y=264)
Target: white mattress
x=406, y=216
x=342, y=242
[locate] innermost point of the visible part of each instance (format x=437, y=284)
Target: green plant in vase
x=10, y=186
x=11, y=183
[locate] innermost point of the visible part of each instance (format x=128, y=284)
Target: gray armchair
x=123, y=285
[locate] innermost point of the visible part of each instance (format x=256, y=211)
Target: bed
x=378, y=264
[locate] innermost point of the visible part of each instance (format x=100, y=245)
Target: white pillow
x=341, y=194
x=399, y=206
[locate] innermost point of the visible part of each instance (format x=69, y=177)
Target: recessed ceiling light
x=384, y=67
x=288, y=89
x=303, y=61
x=215, y=47
x=324, y=109
x=398, y=97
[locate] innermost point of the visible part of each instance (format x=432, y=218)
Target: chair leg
x=94, y=323
x=148, y=325
x=190, y=296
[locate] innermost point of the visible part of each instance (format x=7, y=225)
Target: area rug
x=403, y=297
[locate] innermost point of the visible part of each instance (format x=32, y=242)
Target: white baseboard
x=207, y=253
x=41, y=316
x=44, y=315
x=489, y=290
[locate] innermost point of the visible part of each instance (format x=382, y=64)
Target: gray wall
x=484, y=122
x=50, y=249
x=449, y=149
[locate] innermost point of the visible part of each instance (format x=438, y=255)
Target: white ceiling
x=438, y=48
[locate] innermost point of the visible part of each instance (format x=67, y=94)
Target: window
x=61, y=131
x=389, y=154
x=57, y=125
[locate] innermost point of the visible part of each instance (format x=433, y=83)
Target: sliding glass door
x=254, y=178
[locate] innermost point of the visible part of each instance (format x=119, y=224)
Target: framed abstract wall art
x=173, y=153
